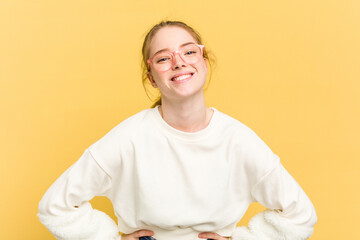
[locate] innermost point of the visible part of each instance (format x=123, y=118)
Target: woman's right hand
x=136, y=235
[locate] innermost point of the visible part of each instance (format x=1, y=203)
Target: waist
x=185, y=233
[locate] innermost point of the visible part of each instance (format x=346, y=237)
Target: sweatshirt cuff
x=269, y=225
x=83, y=223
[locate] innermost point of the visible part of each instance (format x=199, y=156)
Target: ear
x=151, y=79
x=206, y=63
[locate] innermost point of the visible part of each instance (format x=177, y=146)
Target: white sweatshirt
x=178, y=184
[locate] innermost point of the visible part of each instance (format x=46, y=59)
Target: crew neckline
x=187, y=136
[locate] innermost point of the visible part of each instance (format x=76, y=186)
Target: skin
x=183, y=103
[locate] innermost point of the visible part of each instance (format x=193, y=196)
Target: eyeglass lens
x=163, y=61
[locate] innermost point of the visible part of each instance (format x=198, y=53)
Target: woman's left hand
x=211, y=235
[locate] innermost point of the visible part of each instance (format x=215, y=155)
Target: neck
x=188, y=116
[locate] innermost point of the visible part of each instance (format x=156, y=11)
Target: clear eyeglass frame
x=168, y=66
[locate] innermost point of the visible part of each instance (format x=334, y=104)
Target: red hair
x=146, y=48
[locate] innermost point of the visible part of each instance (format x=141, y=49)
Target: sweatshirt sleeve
x=290, y=214
x=65, y=209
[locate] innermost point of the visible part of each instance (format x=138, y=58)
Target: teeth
x=182, y=77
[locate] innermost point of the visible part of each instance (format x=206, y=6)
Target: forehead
x=171, y=38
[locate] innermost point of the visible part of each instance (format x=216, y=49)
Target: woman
x=180, y=170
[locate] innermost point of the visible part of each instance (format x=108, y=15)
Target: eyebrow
x=167, y=49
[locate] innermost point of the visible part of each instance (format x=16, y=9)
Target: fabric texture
x=85, y=223
x=270, y=225
x=174, y=183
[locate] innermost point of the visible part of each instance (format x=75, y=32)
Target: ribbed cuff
x=84, y=223
x=270, y=225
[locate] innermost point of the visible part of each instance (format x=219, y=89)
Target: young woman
x=179, y=170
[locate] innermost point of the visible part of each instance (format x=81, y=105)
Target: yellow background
x=290, y=70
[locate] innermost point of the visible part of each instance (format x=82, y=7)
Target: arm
x=290, y=216
x=65, y=209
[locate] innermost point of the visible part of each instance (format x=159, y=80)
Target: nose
x=178, y=62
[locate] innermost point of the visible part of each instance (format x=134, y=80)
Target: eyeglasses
x=163, y=61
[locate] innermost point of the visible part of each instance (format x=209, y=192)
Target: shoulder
x=133, y=121
x=230, y=125
x=108, y=148
x=255, y=155
x=127, y=128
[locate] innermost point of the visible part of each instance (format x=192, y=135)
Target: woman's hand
x=211, y=235
x=143, y=233
x=137, y=234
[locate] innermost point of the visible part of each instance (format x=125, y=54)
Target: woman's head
x=171, y=36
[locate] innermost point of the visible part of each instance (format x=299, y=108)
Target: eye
x=190, y=52
x=163, y=59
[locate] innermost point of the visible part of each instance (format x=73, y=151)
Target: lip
x=181, y=74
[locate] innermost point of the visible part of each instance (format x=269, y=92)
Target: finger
x=210, y=235
x=142, y=233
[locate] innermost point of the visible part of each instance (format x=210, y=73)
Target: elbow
x=301, y=216
x=44, y=207
x=313, y=218
x=288, y=228
x=49, y=206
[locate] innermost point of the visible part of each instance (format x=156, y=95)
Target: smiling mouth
x=182, y=77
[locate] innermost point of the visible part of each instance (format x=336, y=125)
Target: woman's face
x=171, y=85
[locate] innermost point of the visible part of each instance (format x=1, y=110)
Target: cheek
x=202, y=67
x=159, y=77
